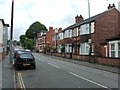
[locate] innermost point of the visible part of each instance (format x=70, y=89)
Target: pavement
x=7, y=74
x=92, y=65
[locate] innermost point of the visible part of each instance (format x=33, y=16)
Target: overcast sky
x=56, y=13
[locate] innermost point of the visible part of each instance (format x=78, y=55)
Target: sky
x=55, y=13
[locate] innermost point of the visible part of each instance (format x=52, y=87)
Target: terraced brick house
x=102, y=30
x=57, y=39
x=103, y=26
x=41, y=41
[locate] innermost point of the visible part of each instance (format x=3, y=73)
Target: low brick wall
x=75, y=56
x=67, y=56
x=84, y=58
x=108, y=61
x=101, y=60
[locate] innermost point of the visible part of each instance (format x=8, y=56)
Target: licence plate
x=26, y=64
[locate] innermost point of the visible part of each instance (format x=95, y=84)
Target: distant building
x=41, y=40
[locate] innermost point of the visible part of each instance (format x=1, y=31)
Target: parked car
x=24, y=60
x=16, y=52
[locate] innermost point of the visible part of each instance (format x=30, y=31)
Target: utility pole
x=11, y=33
x=90, y=40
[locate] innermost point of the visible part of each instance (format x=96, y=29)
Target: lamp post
x=11, y=33
x=90, y=40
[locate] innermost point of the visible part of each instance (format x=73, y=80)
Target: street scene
x=66, y=44
x=55, y=72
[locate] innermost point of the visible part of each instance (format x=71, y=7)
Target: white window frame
x=92, y=27
x=85, y=48
x=116, y=47
x=84, y=29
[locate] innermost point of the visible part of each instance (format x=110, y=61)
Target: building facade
x=41, y=41
x=3, y=38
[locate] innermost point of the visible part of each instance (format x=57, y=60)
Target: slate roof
x=85, y=21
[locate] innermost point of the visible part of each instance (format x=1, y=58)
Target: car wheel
x=33, y=66
x=16, y=67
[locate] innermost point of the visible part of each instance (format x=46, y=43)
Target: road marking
x=22, y=86
x=90, y=81
x=14, y=78
x=53, y=65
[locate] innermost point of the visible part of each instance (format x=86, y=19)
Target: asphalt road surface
x=54, y=73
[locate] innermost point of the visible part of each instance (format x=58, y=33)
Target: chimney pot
x=78, y=19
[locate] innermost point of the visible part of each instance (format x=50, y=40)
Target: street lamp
x=11, y=33
x=90, y=40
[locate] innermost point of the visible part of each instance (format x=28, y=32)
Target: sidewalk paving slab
x=7, y=74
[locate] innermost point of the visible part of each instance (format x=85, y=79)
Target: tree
x=34, y=29
x=27, y=41
x=29, y=44
x=22, y=40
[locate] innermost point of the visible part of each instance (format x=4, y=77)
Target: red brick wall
x=49, y=36
x=67, y=55
x=100, y=60
x=109, y=61
x=103, y=51
x=75, y=57
x=106, y=26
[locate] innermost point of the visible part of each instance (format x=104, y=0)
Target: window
x=84, y=29
x=118, y=49
x=68, y=48
x=92, y=27
x=68, y=33
x=84, y=48
x=112, y=50
x=75, y=32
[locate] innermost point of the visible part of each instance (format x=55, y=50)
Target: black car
x=16, y=52
x=24, y=60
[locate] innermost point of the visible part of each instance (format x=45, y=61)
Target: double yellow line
x=20, y=80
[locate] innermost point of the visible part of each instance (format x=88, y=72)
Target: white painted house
x=3, y=38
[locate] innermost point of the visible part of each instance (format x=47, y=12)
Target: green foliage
x=63, y=48
x=27, y=41
x=29, y=44
x=34, y=29
x=22, y=38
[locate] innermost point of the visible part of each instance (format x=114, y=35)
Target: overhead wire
x=27, y=11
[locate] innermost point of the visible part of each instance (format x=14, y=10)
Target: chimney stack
x=60, y=29
x=111, y=6
x=50, y=28
x=78, y=19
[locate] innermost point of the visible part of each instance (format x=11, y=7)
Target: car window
x=26, y=55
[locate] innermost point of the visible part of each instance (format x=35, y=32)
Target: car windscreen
x=26, y=55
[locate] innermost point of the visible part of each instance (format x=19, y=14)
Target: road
x=54, y=73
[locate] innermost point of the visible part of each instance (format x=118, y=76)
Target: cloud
x=56, y=13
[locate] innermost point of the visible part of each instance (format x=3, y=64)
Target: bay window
x=114, y=49
x=84, y=48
